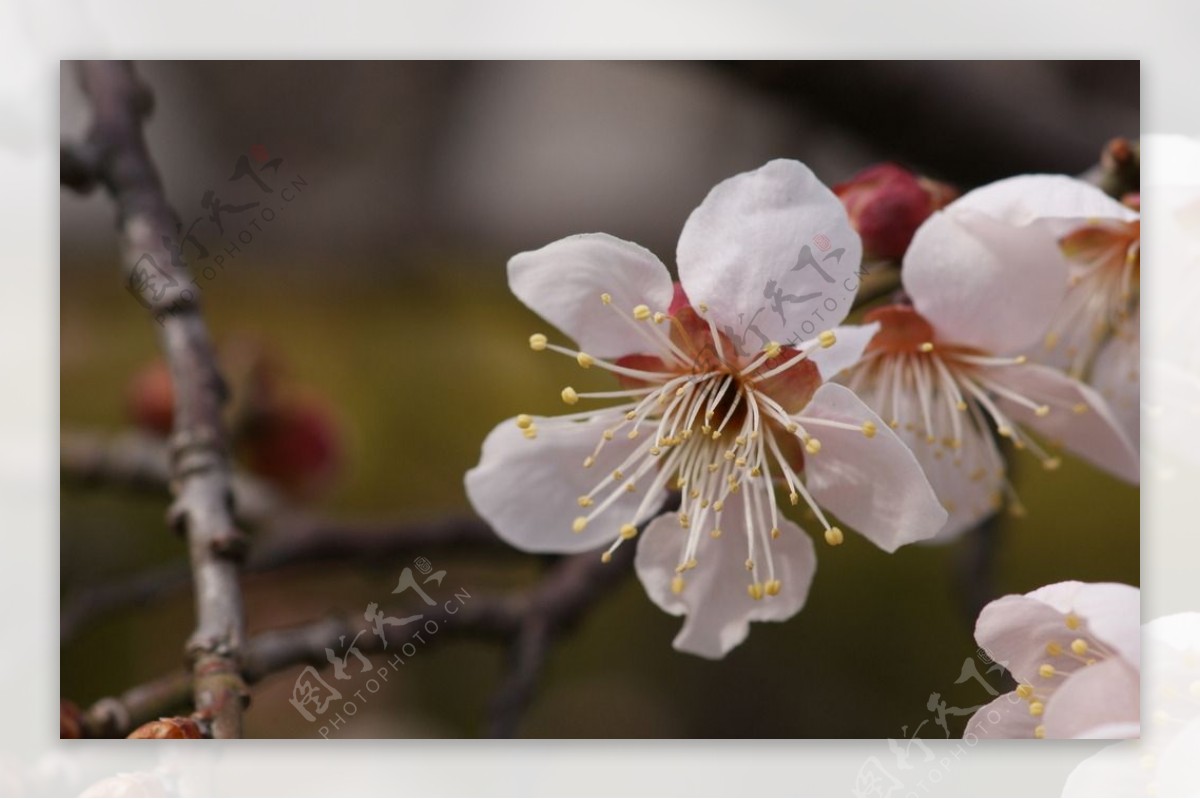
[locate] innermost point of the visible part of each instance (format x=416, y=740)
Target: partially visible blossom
x=1074, y=650
x=887, y=203
x=1163, y=762
x=985, y=276
x=723, y=398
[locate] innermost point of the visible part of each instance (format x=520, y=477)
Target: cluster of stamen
x=1062, y=660
x=945, y=399
x=1104, y=286
x=704, y=426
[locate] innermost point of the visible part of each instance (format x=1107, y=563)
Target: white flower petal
x=528, y=489
x=966, y=480
x=1112, y=611
x=563, y=282
x=1116, y=376
x=982, y=282
x=772, y=249
x=1115, y=770
x=875, y=485
x=1102, y=694
x=1006, y=716
x=1057, y=202
x=1014, y=631
x=715, y=599
x=847, y=350
x=1095, y=434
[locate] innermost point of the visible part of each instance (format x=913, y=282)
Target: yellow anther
x=772, y=587
x=537, y=342
x=827, y=339
x=812, y=446
x=617, y=474
x=630, y=487
x=926, y=347
x=1004, y=431
x=659, y=317
x=740, y=463
x=1024, y=690
x=834, y=537
x=1072, y=621
x=606, y=298
x=1079, y=646
x=641, y=312
x=633, y=434
x=630, y=416
x=1051, y=341
x=716, y=533
x=755, y=590
x=794, y=498
x=585, y=502
x=607, y=435
x=684, y=521
x=869, y=429
x=579, y=523
x=960, y=405
x=749, y=565
x=585, y=360
x=775, y=533
x=756, y=472
x=1054, y=649
x=1036, y=708
x=524, y=421
x=1041, y=410
x=1020, y=359
x=1039, y=731
x=1046, y=670
x=702, y=307
x=530, y=432
x=655, y=451
x=773, y=349
x=1050, y=464
x=792, y=427
x=691, y=564
x=677, y=585
x=569, y=396
x=628, y=531
x=588, y=462
x=719, y=505
x=606, y=557
x=1079, y=407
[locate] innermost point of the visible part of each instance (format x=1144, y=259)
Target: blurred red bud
x=296, y=443
x=887, y=203
x=150, y=399
x=70, y=720
x=177, y=727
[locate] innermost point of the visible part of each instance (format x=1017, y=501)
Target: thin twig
x=203, y=505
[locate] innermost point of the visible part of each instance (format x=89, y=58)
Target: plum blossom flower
x=712, y=404
x=985, y=277
x=1074, y=649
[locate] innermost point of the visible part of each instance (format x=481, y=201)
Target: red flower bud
x=296, y=443
x=177, y=727
x=887, y=203
x=70, y=720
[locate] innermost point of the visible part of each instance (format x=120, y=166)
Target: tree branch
x=203, y=505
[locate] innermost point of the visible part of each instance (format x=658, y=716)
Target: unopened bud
x=887, y=203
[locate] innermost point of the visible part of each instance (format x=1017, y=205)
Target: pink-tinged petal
x=1112, y=611
x=564, y=280
x=983, y=283
x=1056, y=202
x=528, y=489
x=1093, y=434
x=1015, y=631
x=1006, y=716
x=1102, y=694
x=772, y=254
x=875, y=484
x=715, y=600
x=966, y=480
x=850, y=343
x=1116, y=375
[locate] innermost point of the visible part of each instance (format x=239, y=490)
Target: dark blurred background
x=376, y=298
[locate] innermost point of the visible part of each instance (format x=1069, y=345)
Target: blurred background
x=371, y=316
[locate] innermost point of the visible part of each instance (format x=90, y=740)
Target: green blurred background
x=382, y=291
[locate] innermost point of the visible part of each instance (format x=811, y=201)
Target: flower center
x=710, y=422
x=1076, y=649
x=945, y=398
